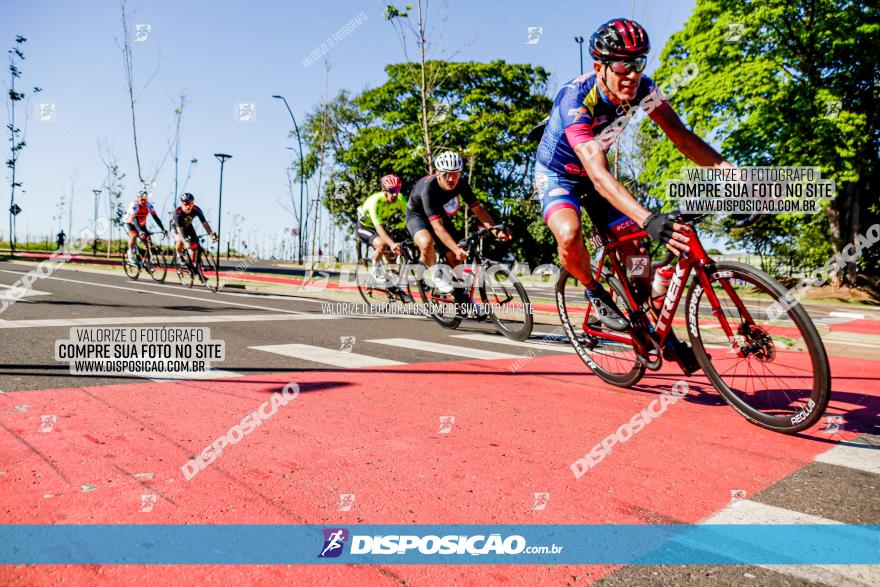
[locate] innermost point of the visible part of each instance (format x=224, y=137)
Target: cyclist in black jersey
x=432, y=203
x=183, y=222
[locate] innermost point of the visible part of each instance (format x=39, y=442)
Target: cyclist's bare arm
x=446, y=238
x=596, y=165
x=690, y=145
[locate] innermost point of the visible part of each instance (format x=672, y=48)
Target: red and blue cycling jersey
x=137, y=213
x=581, y=112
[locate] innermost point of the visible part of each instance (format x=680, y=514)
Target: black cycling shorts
x=366, y=234
x=188, y=233
x=416, y=223
x=134, y=228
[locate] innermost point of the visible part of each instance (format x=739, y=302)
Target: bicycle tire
x=184, y=274
x=133, y=271
x=503, y=326
x=370, y=292
x=581, y=344
x=158, y=268
x=206, y=269
x=821, y=388
x=434, y=302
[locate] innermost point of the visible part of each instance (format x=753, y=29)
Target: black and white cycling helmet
x=448, y=162
x=187, y=197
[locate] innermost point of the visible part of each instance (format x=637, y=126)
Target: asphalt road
x=373, y=422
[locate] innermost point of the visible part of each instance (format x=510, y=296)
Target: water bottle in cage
x=662, y=277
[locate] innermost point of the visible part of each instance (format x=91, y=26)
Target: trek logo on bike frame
x=671, y=301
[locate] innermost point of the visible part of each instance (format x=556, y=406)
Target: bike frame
x=697, y=260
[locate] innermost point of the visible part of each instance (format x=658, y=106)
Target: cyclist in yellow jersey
x=372, y=217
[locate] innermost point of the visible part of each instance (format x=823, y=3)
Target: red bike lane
x=375, y=433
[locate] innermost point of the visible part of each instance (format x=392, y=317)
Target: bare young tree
x=425, y=79
x=125, y=47
x=16, y=134
x=113, y=186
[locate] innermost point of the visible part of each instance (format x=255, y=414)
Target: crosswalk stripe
x=213, y=374
x=551, y=347
x=444, y=349
x=175, y=320
x=753, y=512
x=332, y=357
x=863, y=458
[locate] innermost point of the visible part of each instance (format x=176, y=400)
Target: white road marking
x=752, y=512
x=553, y=347
x=213, y=374
x=847, y=315
x=863, y=458
x=166, y=320
x=5, y=293
x=326, y=356
x=444, y=349
x=162, y=293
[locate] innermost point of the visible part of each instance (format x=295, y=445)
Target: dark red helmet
x=619, y=39
x=392, y=183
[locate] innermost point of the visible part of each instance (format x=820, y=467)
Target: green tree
x=482, y=110
x=771, y=97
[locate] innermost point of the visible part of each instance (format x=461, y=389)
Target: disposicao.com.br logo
x=393, y=544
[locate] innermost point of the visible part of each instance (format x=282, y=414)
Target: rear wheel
x=775, y=371
x=507, y=302
x=612, y=361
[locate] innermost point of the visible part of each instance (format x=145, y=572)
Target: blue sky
x=223, y=53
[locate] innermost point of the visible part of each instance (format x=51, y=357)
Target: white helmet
x=448, y=161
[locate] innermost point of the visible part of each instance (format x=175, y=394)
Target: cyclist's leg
x=614, y=224
x=423, y=237
x=560, y=205
x=132, y=237
x=562, y=213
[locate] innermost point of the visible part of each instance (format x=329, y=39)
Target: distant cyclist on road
x=374, y=214
x=433, y=202
x=135, y=220
x=572, y=166
x=183, y=223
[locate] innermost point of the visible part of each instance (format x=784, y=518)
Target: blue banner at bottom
x=440, y=544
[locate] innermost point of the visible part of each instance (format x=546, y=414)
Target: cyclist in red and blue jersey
x=588, y=114
x=135, y=220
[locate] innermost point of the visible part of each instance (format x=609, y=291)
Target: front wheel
x=157, y=265
x=208, y=273
x=132, y=270
x=507, y=302
x=612, y=361
x=442, y=307
x=773, y=369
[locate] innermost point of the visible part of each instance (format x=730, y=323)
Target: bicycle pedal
x=653, y=361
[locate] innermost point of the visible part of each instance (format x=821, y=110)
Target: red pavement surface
x=374, y=433
x=857, y=326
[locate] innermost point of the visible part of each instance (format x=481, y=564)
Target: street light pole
x=222, y=157
x=97, y=193
x=301, y=174
x=580, y=42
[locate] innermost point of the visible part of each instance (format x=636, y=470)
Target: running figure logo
x=334, y=540
x=541, y=501
x=346, y=500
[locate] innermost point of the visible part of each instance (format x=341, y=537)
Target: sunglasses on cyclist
x=449, y=175
x=623, y=67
